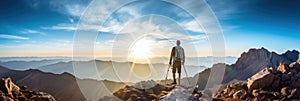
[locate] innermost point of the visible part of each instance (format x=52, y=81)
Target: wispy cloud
x=6, y=36
x=113, y=24
x=29, y=31
x=75, y=9
x=62, y=26
x=193, y=26
x=69, y=7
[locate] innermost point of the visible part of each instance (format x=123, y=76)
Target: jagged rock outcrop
x=256, y=60
x=262, y=79
x=249, y=64
x=131, y=93
x=268, y=84
x=11, y=92
x=233, y=90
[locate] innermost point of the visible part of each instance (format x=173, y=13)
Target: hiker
x=178, y=59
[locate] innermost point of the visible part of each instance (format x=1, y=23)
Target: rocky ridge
x=248, y=64
x=11, y=92
x=281, y=83
x=254, y=61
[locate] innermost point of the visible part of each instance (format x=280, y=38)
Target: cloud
x=113, y=24
x=29, y=31
x=193, y=26
x=160, y=32
x=75, y=9
x=69, y=7
x=6, y=36
x=62, y=26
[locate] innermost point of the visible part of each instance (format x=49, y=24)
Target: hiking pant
x=176, y=66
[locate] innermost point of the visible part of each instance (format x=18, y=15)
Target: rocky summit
x=255, y=60
x=281, y=84
x=134, y=93
x=11, y=92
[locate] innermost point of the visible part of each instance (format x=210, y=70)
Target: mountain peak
x=255, y=60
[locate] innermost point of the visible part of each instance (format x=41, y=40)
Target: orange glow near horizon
x=97, y=54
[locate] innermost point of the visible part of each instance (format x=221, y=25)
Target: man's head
x=178, y=42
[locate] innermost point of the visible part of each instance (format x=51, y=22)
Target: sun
x=141, y=49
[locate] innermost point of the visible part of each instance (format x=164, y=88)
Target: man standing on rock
x=178, y=59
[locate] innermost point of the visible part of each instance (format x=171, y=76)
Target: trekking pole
x=186, y=75
x=167, y=75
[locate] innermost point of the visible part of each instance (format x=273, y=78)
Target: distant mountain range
x=58, y=67
x=63, y=86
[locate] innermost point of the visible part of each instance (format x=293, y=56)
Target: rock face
x=282, y=68
x=256, y=60
x=11, y=92
x=234, y=90
x=268, y=84
x=249, y=64
x=262, y=79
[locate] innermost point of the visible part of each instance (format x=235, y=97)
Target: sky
x=47, y=27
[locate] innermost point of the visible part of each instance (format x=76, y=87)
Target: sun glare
x=141, y=49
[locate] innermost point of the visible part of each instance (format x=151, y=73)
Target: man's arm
x=172, y=55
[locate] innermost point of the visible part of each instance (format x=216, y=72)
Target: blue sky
x=46, y=27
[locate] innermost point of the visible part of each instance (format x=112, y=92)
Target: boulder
x=295, y=84
x=275, y=84
x=285, y=91
x=295, y=94
x=282, y=68
x=3, y=97
x=238, y=85
x=8, y=87
x=298, y=61
x=284, y=77
x=241, y=94
x=255, y=92
x=10, y=92
x=293, y=70
x=295, y=65
x=262, y=79
x=133, y=98
x=294, y=79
